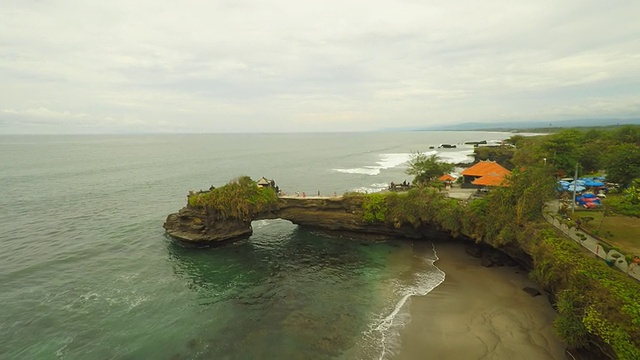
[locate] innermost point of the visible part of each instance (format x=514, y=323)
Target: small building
x=447, y=180
x=484, y=173
x=264, y=182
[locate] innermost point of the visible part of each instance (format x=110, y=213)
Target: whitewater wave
x=259, y=224
x=457, y=157
x=387, y=161
x=373, y=188
x=386, y=328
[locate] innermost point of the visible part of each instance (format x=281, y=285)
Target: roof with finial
x=264, y=181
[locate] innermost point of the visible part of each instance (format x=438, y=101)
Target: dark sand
x=479, y=313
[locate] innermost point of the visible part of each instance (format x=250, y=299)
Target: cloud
x=280, y=65
x=43, y=113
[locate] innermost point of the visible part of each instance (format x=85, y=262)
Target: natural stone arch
x=196, y=226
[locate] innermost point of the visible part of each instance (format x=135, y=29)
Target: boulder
x=473, y=250
x=531, y=291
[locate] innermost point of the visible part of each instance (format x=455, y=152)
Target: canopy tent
x=581, y=184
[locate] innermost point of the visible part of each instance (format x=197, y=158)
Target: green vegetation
x=501, y=155
x=628, y=203
x=239, y=199
x=374, y=208
x=622, y=231
x=426, y=169
x=497, y=219
x=616, y=151
x=592, y=298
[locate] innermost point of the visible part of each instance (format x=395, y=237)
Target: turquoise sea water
x=86, y=271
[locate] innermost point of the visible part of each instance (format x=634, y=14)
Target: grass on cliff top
x=620, y=231
x=239, y=199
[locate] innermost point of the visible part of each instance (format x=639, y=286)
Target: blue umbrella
x=593, y=183
x=578, y=188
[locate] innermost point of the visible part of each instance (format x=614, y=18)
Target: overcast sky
x=130, y=66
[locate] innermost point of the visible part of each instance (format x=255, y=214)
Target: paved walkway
x=459, y=193
x=589, y=242
x=309, y=197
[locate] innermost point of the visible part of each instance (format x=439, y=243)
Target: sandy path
x=479, y=313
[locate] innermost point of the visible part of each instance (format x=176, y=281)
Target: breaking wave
x=387, y=161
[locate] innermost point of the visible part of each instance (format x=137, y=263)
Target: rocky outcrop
x=197, y=227
x=201, y=227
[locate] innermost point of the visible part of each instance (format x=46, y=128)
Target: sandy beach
x=479, y=313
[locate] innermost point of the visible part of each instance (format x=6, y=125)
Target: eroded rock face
x=196, y=226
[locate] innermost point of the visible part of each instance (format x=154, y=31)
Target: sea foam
x=373, y=188
x=386, y=329
x=457, y=157
x=387, y=161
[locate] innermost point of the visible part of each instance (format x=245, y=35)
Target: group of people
x=304, y=194
x=399, y=187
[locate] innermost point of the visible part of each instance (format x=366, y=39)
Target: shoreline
x=479, y=313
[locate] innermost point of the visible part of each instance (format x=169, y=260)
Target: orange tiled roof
x=490, y=180
x=446, y=177
x=484, y=168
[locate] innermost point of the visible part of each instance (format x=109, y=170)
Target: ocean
x=86, y=271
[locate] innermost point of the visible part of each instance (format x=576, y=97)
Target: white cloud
x=281, y=65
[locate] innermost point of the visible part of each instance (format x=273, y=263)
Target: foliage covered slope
x=240, y=199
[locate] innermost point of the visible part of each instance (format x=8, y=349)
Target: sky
x=158, y=66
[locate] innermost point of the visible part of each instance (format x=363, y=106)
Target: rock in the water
x=531, y=291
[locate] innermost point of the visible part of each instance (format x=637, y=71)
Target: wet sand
x=479, y=313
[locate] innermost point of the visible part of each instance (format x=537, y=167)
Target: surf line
x=387, y=322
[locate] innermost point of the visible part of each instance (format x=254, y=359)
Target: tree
x=426, y=168
x=628, y=134
x=509, y=208
x=562, y=149
x=623, y=164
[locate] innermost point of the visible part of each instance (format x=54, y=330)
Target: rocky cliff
x=204, y=227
